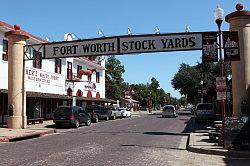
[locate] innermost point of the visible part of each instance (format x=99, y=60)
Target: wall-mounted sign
x=39, y=76
x=209, y=47
x=90, y=86
x=231, y=46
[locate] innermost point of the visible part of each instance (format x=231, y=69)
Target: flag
x=69, y=36
x=129, y=32
x=100, y=32
x=157, y=30
x=187, y=28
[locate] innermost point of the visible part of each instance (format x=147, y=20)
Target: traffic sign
x=221, y=83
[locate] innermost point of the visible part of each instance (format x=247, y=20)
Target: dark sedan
x=72, y=116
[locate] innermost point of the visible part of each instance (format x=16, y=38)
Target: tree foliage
x=114, y=81
x=188, y=80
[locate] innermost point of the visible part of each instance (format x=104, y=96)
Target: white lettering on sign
x=81, y=48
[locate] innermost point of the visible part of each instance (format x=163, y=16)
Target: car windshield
x=204, y=107
x=62, y=111
x=168, y=108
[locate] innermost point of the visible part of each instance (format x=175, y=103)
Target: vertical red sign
x=209, y=47
x=231, y=46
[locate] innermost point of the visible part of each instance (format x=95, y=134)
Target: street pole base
x=14, y=122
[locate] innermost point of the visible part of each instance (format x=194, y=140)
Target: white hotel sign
x=125, y=45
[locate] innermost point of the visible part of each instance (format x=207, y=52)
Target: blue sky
x=52, y=19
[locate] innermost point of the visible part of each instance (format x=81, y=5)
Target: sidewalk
x=32, y=131
x=198, y=142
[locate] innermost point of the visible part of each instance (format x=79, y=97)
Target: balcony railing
x=73, y=78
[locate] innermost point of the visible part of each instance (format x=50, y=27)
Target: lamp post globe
x=218, y=14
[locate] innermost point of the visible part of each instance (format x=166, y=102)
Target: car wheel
x=77, y=123
x=107, y=118
x=88, y=123
x=96, y=120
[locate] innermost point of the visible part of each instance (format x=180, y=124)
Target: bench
x=33, y=121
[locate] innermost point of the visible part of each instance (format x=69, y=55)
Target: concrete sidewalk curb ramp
x=26, y=135
x=197, y=146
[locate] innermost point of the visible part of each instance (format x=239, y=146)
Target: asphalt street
x=146, y=140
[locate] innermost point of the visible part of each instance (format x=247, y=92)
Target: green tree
x=188, y=80
x=114, y=81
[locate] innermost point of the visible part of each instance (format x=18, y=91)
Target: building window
x=69, y=70
x=58, y=66
x=97, y=77
x=5, y=50
x=78, y=70
x=89, y=77
x=37, y=62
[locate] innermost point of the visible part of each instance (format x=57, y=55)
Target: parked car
x=204, y=111
x=115, y=112
x=71, y=115
x=125, y=112
x=98, y=112
x=169, y=111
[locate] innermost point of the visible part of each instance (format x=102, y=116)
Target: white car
x=125, y=112
x=116, y=113
x=169, y=111
x=204, y=111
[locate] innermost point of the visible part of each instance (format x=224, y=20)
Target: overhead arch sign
x=130, y=44
x=125, y=45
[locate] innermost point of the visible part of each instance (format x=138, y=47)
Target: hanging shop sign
x=209, y=47
x=231, y=46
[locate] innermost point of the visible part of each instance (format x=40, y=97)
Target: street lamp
x=218, y=14
x=201, y=91
x=150, y=102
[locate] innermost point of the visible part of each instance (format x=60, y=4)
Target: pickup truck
x=98, y=112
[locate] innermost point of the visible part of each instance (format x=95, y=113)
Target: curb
x=223, y=152
x=25, y=136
